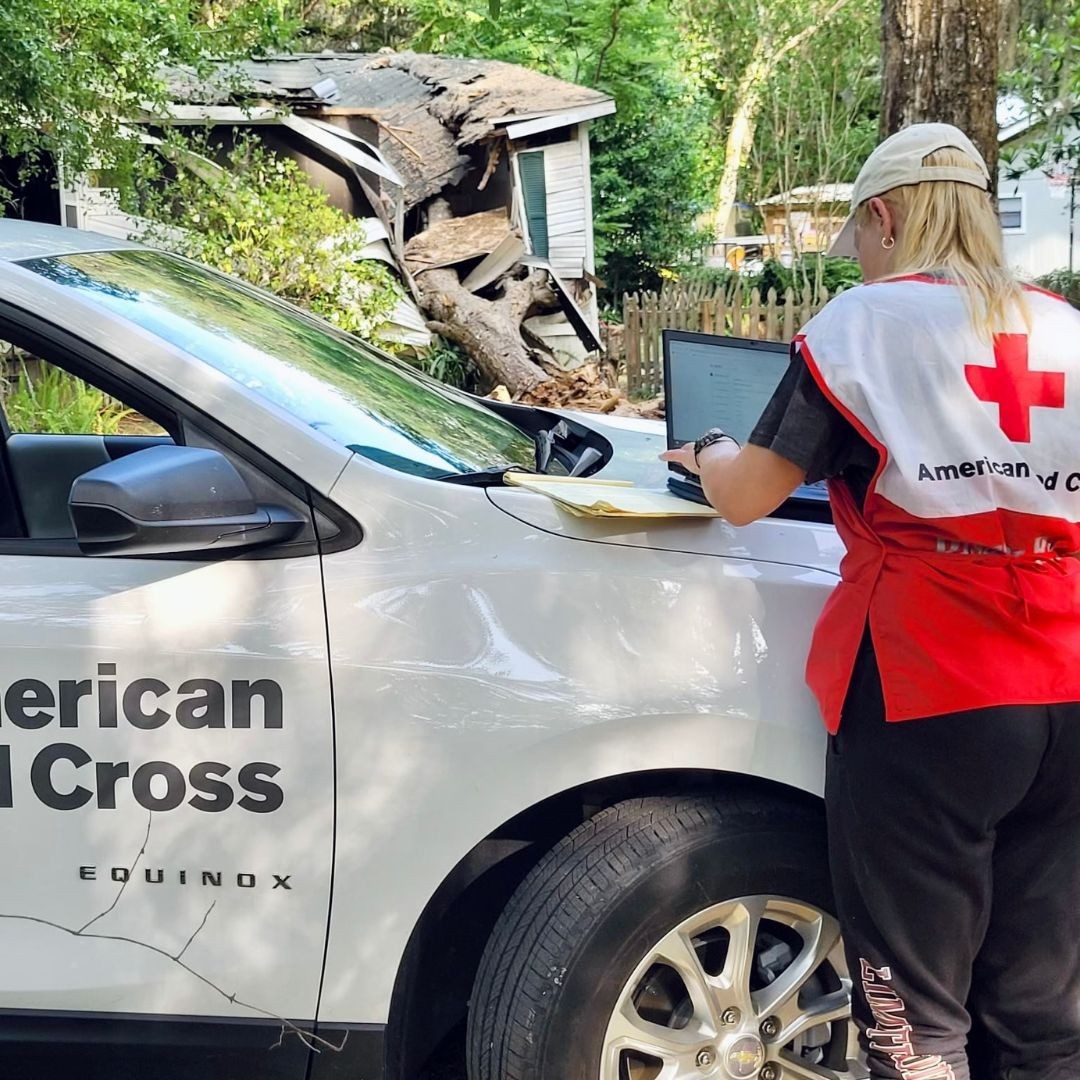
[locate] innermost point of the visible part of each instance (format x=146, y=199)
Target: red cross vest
x=963, y=557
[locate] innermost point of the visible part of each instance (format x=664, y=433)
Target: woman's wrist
x=715, y=437
x=722, y=450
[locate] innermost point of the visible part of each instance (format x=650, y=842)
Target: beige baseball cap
x=898, y=161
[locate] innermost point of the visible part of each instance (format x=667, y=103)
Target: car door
x=166, y=763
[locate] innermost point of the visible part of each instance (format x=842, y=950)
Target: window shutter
x=534, y=190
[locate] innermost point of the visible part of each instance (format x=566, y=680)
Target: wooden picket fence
x=708, y=309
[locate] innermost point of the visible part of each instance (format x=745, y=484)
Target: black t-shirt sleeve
x=803, y=426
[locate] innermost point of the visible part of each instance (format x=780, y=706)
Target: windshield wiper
x=482, y=477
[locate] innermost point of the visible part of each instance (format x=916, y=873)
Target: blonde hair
x=952, y=227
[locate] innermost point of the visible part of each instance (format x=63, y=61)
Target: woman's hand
x=743, y=485
x=683, y=456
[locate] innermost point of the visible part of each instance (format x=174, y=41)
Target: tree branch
x=195, y=933
x=519, y=294
x=615, y=11
x=807, y=31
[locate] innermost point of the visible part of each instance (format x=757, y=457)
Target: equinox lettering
x=212, y=879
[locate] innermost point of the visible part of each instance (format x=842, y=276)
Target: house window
x=534, y=193
x=1011, y=213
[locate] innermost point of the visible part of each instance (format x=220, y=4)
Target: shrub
x=1063, y=282
x=446, y=362
x=260, y=219
x=817, y=271
x=45, y=399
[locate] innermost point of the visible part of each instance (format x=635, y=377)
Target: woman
x=942, y=401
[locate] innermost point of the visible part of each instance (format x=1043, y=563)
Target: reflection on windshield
x=331, y=381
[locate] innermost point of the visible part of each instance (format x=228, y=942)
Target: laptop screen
x=722, y=382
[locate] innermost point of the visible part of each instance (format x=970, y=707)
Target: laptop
x=724, y=382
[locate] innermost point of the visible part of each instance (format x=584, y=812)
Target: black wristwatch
x=713, y=435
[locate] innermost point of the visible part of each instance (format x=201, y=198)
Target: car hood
x=636, y=444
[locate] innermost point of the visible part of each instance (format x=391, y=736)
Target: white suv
x=326, y=755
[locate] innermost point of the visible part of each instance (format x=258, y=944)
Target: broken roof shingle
x=431, y=107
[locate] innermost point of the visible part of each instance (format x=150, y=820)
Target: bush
x=46, y=399
x=710, y=277
x=260, y=219
x=817, y=271
x=446, y=362
x=1063, y=282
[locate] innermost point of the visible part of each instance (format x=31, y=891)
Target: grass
x=42, y=399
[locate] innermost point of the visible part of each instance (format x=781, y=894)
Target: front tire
x=669, y=937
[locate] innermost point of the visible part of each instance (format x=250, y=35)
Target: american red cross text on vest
x=1014, y=387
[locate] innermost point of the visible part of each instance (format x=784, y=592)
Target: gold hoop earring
x=888, y=242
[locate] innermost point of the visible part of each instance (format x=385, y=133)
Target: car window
x=42, y=399
x=369, y=402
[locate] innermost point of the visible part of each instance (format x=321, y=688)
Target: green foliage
x=815, y=271
x=72, y=72
x=651, y=161
x=260, y=219
x=1063, y=282
x=819, y=116
x=813, y=73
x=358, y=25
x=651, y=180
x=710, y=277
x=446, y=362
x=45, y=399
x=1047, y=79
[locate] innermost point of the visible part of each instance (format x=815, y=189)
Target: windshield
x=333, y=382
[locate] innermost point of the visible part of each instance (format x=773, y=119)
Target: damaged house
x=472, y=176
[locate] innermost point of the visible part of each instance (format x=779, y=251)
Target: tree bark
x=940, y=64
x=740, y=137
x=488, y=330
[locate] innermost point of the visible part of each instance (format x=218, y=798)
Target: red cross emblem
x=1014, y=387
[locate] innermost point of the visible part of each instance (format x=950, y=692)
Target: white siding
x=1042, y=243
x=567, y=209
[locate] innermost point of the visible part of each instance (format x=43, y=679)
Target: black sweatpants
x=955, y=851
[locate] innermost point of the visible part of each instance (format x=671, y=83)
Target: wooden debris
x=453, y=240
x=587, y=389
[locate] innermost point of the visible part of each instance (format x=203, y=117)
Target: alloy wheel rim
x=754, y=988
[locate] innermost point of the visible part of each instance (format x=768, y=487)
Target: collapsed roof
x=430, y=109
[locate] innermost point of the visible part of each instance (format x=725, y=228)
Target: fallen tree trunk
x=488, y=330
x=512, y=362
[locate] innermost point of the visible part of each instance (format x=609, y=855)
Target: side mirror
x=172, y=499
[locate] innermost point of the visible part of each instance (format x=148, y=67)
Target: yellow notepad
x=608, y=498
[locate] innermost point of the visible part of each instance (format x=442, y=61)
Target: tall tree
x=742, y=46
x=940, y=63
x=357, y=25
x=651, y=162
x=72, y=72
x=819, y=114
